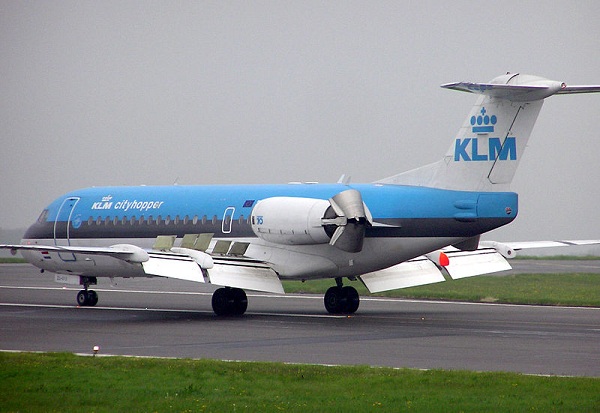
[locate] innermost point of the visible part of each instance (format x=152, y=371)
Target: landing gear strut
x=341, y=300
x=85, y=297
x=229, y=301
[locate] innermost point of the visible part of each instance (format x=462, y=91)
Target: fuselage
x=407, y=222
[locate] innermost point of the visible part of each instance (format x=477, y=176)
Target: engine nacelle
x=290, y=221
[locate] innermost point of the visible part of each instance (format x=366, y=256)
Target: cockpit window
x=43, y=216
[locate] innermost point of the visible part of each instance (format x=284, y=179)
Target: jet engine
x=340, y=221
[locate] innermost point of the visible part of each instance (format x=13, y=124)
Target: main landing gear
x=229, y=301
x=341, y=300
x=85, y=297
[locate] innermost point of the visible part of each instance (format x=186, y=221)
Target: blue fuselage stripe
x=401, y=206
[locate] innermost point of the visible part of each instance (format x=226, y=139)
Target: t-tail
x=486, y=152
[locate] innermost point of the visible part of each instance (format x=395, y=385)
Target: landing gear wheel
x=87, y=298
x=341, y=300
x=240, y=301
x=352, y=299
x=92, y=298
x=332, y=300
x=82, y=298
x=229, y=301
x=220, y=302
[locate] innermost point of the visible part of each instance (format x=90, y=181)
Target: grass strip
x=64, y=382
x=10, y=260
x=542, y=289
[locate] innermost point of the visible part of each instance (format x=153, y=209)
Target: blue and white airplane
x=410, y=229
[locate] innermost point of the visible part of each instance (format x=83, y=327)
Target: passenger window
x=167, y=219
x=195, y=220
x=98, y=220
x=204, y=219
x=150, y=220
x=214, y=220
x=186, y=219
x=90, y=220
x=132, y=220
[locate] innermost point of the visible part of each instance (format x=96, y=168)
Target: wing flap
x=230, y=271
x=180, y=267
x=418, y=271
x=471, y=263
x=422, y=270
x=245, y=274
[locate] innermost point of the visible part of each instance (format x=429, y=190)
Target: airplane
x=413, y=228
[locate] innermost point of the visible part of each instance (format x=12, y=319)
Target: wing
x=223, y=266
x=518, y=246
x=436, y=267
x=452, y=263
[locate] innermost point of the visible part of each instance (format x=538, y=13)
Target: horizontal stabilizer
x=520, y=88
x=418, y=271
x=501, y=91
x=579, y=89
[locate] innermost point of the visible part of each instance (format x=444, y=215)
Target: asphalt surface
x=170, y=318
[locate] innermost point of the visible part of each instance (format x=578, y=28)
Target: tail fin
x=488, y=147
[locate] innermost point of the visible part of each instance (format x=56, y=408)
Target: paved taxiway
x=172, y=318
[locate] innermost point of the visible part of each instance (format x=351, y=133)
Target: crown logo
x=106, y=198
x=483, y=123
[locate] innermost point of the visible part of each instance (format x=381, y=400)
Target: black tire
x=82, y=298
x=352, y=299
x=333, y=300
x=92, y=298
x=221, y=302
x=240, y=301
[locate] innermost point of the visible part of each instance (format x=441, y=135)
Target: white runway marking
x=302, y=297
x=164, y=310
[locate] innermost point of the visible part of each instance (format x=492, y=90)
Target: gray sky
x=128, y=93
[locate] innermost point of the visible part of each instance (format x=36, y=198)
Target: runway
x=170, y=318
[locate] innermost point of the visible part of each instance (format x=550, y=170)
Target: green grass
x=7, y=260
x=64, y=383
x=543, y=289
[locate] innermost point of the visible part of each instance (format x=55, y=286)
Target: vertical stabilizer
x=485, y=153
